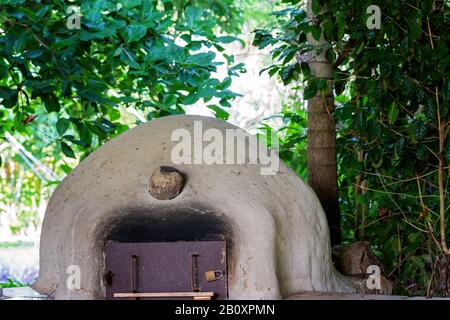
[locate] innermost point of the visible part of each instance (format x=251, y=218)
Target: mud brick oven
x=225, y=232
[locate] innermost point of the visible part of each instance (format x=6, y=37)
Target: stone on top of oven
x=166, y=183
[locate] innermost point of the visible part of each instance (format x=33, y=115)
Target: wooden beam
x=195, y=295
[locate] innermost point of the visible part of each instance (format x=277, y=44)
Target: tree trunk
x=322, y=170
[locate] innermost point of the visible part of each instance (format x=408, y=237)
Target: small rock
x=353, y=261
x=166, y=183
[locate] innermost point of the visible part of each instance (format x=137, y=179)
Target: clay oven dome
x=274, y=226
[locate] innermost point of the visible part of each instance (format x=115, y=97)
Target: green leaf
x=72, y=139
x=102, y=34
x=93, y=90
x=315, y=6
x=129, y=4
x=316, y=33
x=420, y=130
x=51, y=102
x=226, y=83
x=206, y=92
x=322, y=84
x=421, y=152
x=227, y=39
x=331, y=55
x=219, y=112
x=360, y=120
x=128, y=58
x=21, y=41
x=341, y=26
x=415, y=237
x=288, y=74
x=328, y=27
x=192, y=15
x=29, y=13
x=392, y=113
x=189, y=99
x=273, y=71
x=310, y=90
x=10, y=97
x=169, y=100
x=306, y=71
x=201, y=59
x=66, y=168
x=114, y=114
x=395, y=160
x=67, y=150
x=135, y=32
x=95, y=129
x=376, y=159
x=105, y=125
x=3, y=69
x=62, y=125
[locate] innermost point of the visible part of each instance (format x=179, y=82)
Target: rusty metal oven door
x=166, y=270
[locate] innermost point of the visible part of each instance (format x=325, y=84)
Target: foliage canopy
x=392, y=111
x=155, y=56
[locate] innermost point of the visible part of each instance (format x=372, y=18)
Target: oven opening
x=175, y=256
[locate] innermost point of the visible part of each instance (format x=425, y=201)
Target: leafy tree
x=65, y=90
x=392, y=114
x=151, y=56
